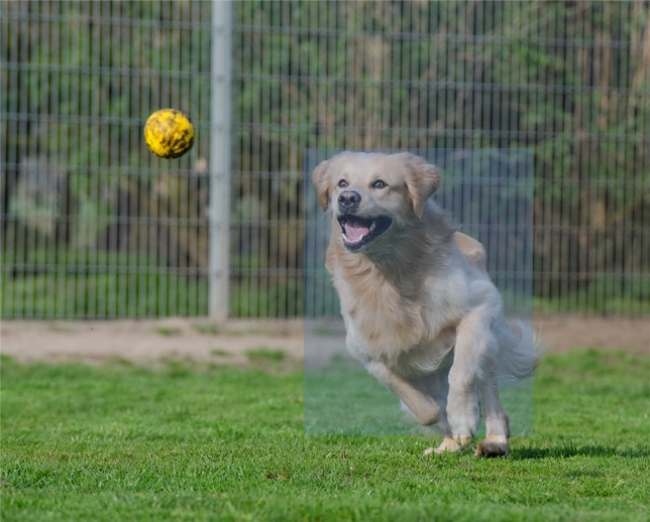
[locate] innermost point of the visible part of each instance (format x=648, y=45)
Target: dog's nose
x=349, y=200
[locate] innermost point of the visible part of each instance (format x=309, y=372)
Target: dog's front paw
x=493, y=446
x=463, y=440
x=448, y=445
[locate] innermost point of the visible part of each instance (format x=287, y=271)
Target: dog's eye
x=379, y=184
x=343, y=183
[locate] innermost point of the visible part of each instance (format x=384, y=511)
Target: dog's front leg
x=423, y=407
x=474, y=347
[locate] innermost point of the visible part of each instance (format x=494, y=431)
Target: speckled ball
x=169, y=133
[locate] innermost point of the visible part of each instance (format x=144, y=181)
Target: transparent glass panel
x=489, y=193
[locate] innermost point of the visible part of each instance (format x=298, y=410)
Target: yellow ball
x=169, y=133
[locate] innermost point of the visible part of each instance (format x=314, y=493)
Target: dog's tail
x=520, y=352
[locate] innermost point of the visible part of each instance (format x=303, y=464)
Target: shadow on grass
x=576, y=451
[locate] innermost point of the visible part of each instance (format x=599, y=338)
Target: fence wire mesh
x=94, y=226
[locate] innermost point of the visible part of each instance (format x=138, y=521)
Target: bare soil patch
x=239, y=342
x=560, y=333
x=147, y=341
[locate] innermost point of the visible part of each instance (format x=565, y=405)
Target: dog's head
x=371, y=194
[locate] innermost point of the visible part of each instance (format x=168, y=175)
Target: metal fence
x=94, y=226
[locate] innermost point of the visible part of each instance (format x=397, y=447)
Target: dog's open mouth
x=359, y=232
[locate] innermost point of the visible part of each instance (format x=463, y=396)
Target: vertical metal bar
x=220, y=158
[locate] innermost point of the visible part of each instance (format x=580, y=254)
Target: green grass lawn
x=210, y=443
x=343, y=399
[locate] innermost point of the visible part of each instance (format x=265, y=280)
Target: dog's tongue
x=355, y=229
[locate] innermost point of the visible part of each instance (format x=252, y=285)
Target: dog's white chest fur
x=412, y=336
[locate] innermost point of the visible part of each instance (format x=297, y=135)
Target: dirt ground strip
x=147, y=341
x=233, y=342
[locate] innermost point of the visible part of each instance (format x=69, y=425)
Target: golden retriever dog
x=420, y=310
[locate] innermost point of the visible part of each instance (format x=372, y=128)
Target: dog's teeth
x=354, y=241
x=373, y=225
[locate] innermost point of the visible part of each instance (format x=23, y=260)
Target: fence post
x=220, y=158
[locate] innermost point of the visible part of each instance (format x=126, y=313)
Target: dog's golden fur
x=420, y=310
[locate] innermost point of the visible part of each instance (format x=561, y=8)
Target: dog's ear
x=422, y=180
x=321, y=181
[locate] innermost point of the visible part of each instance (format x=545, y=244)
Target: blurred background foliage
x=94, y=226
